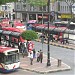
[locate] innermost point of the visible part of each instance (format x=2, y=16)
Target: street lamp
x=48, y=52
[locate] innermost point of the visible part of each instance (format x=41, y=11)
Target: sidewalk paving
x=42, y=67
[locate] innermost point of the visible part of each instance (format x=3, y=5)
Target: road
x=66, y=55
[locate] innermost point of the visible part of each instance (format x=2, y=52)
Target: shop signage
x=65, y=15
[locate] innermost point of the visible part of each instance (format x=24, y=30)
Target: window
x=12, y=58
x=31, y=8
x=58, y=6
x=44, y=8
x=40, y=8
x=18, y=7
x=1, y=57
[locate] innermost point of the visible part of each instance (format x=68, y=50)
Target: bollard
x=59, y=62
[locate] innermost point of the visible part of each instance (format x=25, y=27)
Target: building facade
x=58, y=10
x=28, y=12
x=7, y=10
x=65, y=9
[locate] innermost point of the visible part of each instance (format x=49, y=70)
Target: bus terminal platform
x=38, y=67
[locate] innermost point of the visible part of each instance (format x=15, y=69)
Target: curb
x=45, y=72
x=56, y=44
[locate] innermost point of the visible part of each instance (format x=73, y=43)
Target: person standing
x=34, y=53
x=23, y=50
x=38, y=56
x=41, y=56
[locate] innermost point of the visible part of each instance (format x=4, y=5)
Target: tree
x=7, y=1
x=38, y=2
x=29, y=35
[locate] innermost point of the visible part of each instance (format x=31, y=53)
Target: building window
x=58, y=6
x=65, y=9
x=31, y=8
x=40, y=8
x=44, y=8
x=18, y=7
x=4, y=7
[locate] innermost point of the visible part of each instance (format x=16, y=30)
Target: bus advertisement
x=9, y=59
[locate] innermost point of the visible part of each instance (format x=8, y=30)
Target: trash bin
x=59, y=62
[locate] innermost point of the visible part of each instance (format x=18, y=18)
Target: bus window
x=1, y=58
x=12, y=59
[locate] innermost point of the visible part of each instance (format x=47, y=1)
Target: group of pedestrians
x=39, y=56
x=33, y=55
x=23, y=49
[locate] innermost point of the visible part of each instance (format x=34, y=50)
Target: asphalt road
x=66, y=55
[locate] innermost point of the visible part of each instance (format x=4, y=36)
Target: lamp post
x=48, y=52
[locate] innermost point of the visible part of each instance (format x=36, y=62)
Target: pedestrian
x=38, y=55
x=41, y=56
x=20, y=47
x=23, y=50
x=26, y=51
x=31, y=58
x=34, y=53
x=13, y=46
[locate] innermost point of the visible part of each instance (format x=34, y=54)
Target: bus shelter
x=7, y=37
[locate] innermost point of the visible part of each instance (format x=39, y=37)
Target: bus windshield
x=13, y=58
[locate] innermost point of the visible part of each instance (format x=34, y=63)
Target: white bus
x=9, y=59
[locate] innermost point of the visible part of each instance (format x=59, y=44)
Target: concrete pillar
x=37, y=17
x=42, y=18
x=27, y=17
x=21, y=16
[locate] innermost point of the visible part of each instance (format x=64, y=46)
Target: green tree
x=38, y=2
x=7, y=1
x=29, y=35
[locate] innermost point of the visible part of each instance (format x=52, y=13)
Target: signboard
x=65, y=15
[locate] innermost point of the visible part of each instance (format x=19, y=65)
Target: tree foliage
x=6, y=1
x=38, y=2
x=29, y=35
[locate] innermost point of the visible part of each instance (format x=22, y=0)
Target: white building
x=8, y=9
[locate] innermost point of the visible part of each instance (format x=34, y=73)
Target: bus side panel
x=9, y=67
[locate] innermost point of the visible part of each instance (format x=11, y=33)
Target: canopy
x=5, y=25
x=19, y=24
x=12, y=29
x=32, y=21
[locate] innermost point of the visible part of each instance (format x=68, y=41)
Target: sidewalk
x=42, y=67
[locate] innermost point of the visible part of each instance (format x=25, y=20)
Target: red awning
x=42, y=16
x=32, y=21
x=19, y=24
x=12, y=29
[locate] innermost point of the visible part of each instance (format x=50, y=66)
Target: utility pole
x=48, y=52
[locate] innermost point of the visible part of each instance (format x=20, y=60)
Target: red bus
x=9, y=59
